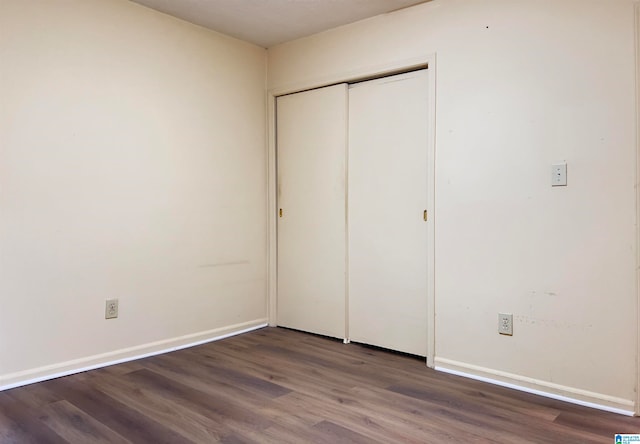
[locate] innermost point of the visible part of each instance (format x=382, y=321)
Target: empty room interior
x=319, y=220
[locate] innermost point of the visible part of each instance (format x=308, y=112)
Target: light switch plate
x=559, y=175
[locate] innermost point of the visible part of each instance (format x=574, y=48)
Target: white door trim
x=637, y=178
x=429, y=61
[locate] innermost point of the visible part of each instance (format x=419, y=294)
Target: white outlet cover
x=505, y=324
x=111, y=309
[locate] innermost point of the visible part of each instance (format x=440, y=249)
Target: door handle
x=424, y=215
x=280, y=212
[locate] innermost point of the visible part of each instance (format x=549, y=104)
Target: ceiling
x=269, y=22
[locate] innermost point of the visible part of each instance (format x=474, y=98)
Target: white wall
x=520, y=84
x=132, y=166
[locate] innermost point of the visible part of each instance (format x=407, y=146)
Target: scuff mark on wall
x=224, y=264
x=551, y=323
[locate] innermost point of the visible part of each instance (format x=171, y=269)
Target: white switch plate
x=559, y=175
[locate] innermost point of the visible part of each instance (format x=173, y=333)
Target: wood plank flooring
x=281, y=386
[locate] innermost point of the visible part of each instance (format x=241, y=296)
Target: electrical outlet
x=111, y=309
x=505, y=324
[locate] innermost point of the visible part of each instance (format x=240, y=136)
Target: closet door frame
x=426, y=61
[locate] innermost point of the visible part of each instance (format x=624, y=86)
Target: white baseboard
x=537, y=387
x=39, y=374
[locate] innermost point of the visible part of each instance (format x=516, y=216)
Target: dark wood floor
x=281, y=386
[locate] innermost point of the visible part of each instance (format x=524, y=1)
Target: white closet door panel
x=387, y=198
x=311, y=144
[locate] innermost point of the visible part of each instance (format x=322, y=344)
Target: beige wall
x=132, y=166
x=520, y=85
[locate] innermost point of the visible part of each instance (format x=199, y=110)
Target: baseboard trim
x=537, y=387
x=32, y=376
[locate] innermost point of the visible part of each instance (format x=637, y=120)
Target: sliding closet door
x=387, y=204
x=311, y=153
